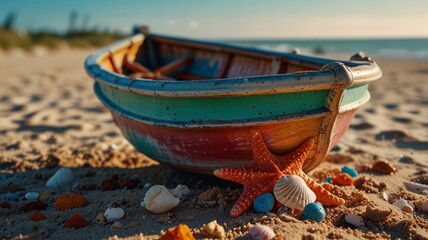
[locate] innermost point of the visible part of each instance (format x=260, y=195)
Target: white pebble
x=180, y=191
x=62, y=177
x=114, y=213
x=354, y=219
x=32, y=196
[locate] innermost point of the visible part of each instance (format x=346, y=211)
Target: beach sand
x=50, y=117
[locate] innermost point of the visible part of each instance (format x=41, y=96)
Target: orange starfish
x=266, y=169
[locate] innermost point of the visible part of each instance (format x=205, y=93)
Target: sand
x=49, y=117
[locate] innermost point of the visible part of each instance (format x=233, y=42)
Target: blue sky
x=233, y=18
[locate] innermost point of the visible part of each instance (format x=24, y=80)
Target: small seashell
x=292, y=191
x=313, y=211
x=159, y=200
x=342, y=179
x=214, y=229
x=12, y=197
x=181, y=191
x=100, y=218
x=35, y=205
x=354, y=220
x=76, y=221
x=182, y=232
x=44, y=196
x=416, y=187
x=404, y=205
x=36, y=216
x=32, y=196
x=261, y=232
x=5, y=205
x=117, y=224
x=263, y=203
x=350, y=171
x=383, y=167
x=68, y=201
x=61, y=177
x=114, y=213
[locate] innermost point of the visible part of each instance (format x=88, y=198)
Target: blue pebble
x=313, y=211
x=327, y=179
x=350, y=171
x=336, y=149
x=264, y=203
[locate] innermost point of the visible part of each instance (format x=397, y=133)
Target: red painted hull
x=205, y=149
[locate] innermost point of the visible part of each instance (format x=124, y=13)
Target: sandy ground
x=49, y=117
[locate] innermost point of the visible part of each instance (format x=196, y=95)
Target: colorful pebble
x=327, y=179
x=264, y=203
x=350, y=171
x=313, y=211
x=181, y=232
x=342, y=179
x=76, y=221
x=336, y=149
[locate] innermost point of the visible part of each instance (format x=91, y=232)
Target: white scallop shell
x=261, y=232
x=180, y=191
x=354, y=219
x=61, y=177
x=159, y=200
x=114, y=213
x=292, y=192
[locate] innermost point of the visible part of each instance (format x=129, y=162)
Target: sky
x=232, y=18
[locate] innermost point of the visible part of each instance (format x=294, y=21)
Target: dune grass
x=10, y=39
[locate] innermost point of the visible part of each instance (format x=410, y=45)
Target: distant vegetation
x=76, y=36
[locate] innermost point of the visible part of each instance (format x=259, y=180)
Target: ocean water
x=409, y=48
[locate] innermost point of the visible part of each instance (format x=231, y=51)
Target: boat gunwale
x=361, y=72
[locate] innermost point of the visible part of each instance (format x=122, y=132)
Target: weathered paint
x=354, y=93
x=214, y=109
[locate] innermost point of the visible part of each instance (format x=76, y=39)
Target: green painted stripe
x=354, y=94
x=216, y=108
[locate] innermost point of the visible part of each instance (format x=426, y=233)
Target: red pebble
x=5, y=205
x=76, y=221
x=35, y=205
x=128, y=183
x=342, y=179
x=110, y=184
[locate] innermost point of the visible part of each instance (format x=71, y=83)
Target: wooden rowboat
x=192, y=104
